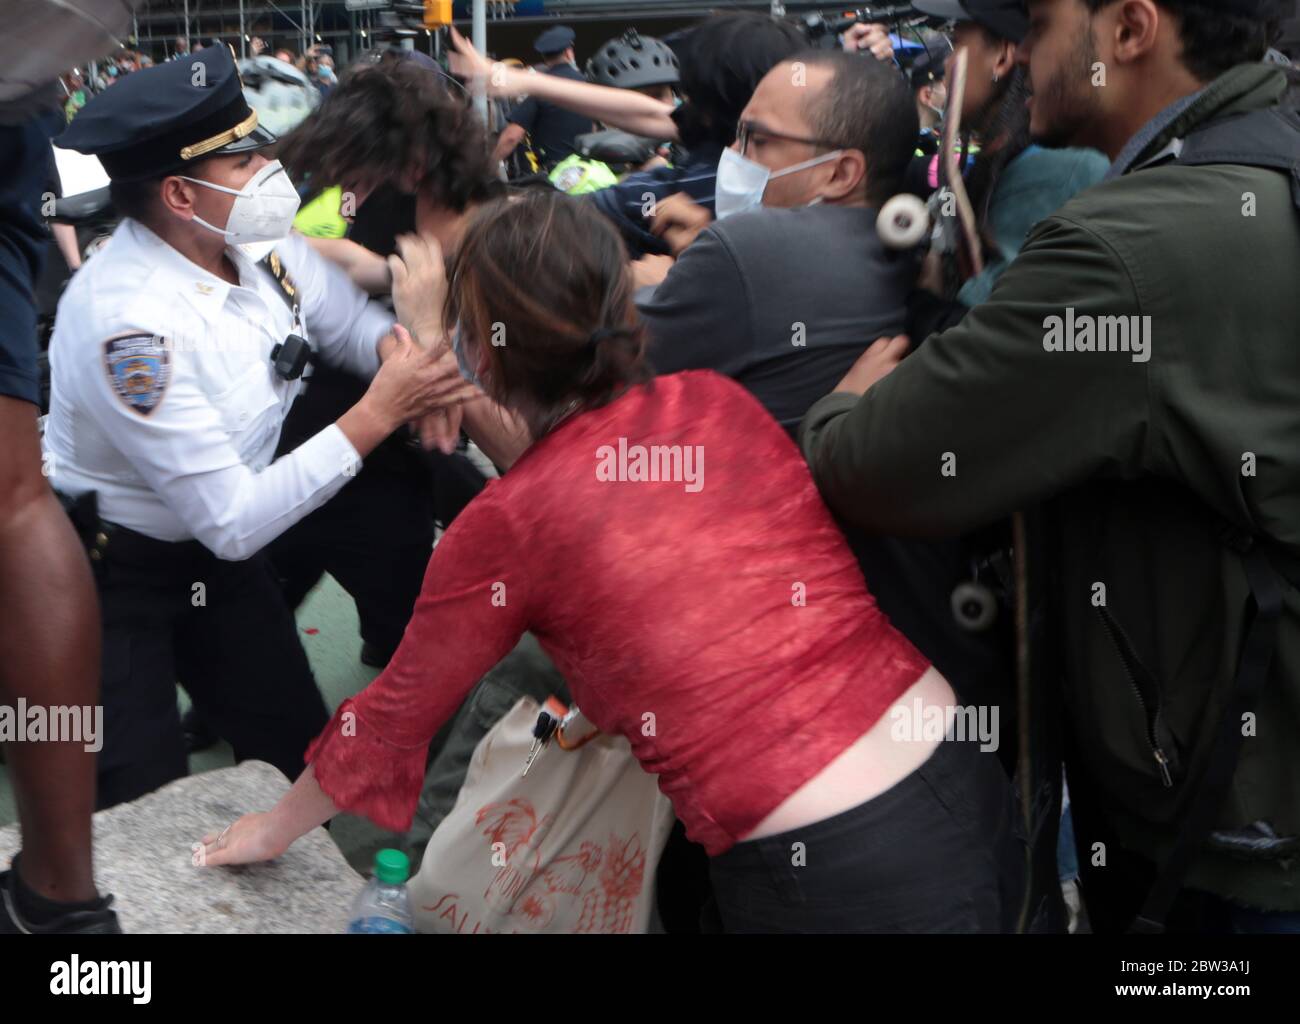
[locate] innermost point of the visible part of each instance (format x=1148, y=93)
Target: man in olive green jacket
x=1138, y=369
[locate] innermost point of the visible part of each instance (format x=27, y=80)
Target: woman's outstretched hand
x=250, y=839
x=256, y=837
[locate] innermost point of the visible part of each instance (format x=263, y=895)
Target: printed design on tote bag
x=604, y=881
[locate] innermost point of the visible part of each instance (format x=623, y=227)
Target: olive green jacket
x=1196, y=408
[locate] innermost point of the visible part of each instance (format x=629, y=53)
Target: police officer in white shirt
x=175, y=358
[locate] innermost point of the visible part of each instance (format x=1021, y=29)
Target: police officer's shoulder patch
x=139, y=369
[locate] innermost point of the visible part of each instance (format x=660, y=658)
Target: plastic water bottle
x=384, y=905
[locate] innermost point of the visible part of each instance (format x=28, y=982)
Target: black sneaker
x=99, y=921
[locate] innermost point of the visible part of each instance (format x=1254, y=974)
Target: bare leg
x=49, y=654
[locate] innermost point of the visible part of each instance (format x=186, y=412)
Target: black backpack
x=1271, y=139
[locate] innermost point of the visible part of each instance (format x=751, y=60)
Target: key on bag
x=542, y=733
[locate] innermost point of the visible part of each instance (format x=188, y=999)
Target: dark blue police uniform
x=552, y=128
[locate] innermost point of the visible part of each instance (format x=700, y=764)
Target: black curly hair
x=723, y=59
x=385, y=119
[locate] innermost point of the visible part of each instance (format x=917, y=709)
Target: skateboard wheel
x=974, y=607
x=903, y=222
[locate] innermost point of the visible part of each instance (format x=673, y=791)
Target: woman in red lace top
x=665, y=542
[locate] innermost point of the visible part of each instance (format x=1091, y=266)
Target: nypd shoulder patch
x=139, y=369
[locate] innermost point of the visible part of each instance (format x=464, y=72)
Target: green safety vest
x=321, y=217
x=577, y=176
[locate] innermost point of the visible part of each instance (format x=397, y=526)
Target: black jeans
x=936, y=852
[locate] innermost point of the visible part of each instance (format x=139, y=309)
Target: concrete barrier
x=143, y=856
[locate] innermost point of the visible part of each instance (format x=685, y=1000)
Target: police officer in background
x=552, y=128
x=177, y=353
x=926, y=77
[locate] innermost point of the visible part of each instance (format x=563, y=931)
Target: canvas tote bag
x=571, y=847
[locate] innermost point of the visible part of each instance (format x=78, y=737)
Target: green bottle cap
x=392, y=867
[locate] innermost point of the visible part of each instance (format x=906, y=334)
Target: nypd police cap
x=157, y=120
x=554, y=40
x=925, y=69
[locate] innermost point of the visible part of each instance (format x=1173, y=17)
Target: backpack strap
x=1260, y=138
x=1266, y=566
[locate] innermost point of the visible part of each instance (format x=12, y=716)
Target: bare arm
x=303, y=808
x=509, y=139
x=368, y=270
x=65, y=235
x=618, y=108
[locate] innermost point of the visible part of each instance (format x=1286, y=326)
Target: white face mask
x=741, y=182
x=264, y=208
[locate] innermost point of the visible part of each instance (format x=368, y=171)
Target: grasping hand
x=876, y=362
x=873, y=37
x=413, y=382
x=419, y=287
x=678, y=220
x=441, y=428
x=650, y=270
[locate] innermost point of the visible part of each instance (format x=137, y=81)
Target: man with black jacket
x=1136, y=368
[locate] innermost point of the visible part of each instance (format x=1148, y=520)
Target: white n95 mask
x=741, y=182
x=264, y=208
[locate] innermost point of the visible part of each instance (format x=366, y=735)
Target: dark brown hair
x=385, y=119
x=541, y=286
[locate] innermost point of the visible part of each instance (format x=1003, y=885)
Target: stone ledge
x=143, y=851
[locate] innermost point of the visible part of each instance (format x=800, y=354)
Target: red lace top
x=724, y=603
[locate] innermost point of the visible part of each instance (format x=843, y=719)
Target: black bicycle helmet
x=632, y=61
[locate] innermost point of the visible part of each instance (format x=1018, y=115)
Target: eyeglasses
x=748, y=128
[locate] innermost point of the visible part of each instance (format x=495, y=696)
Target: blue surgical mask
x=741, y=182
x=466, y=371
